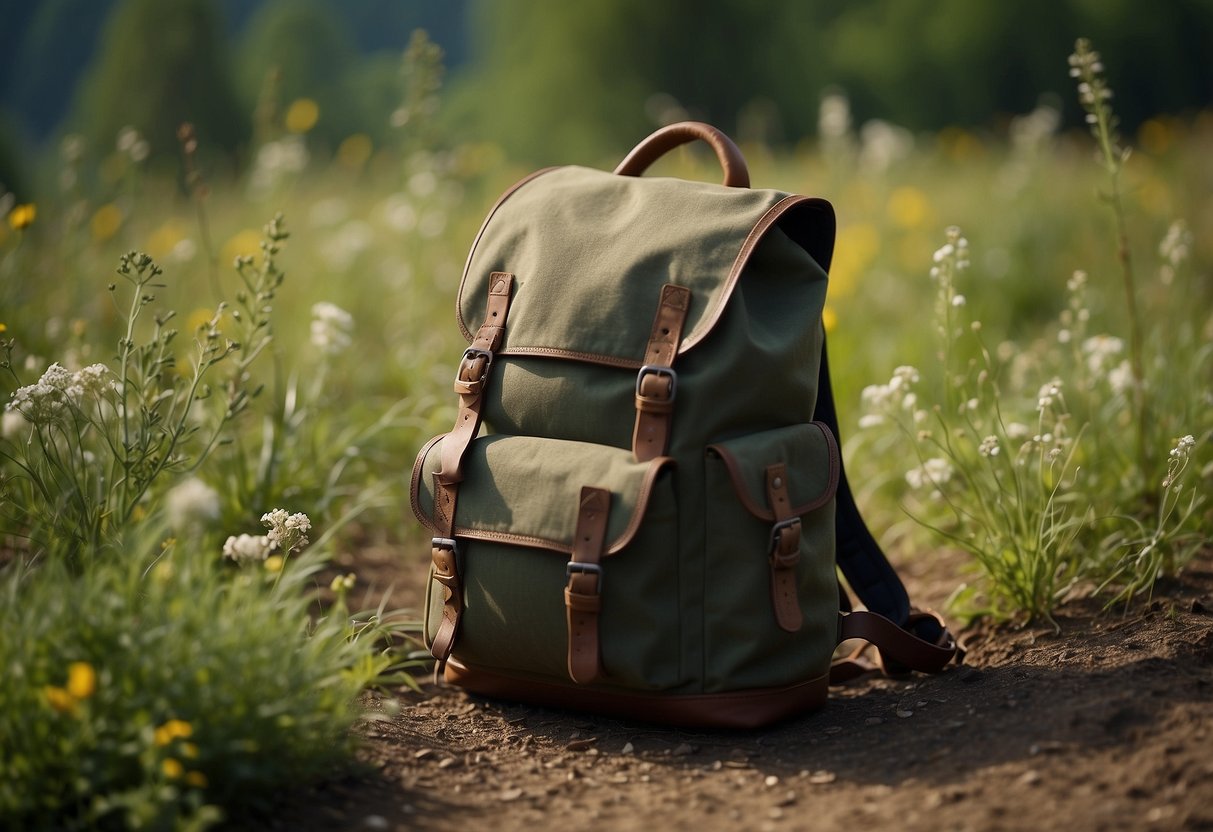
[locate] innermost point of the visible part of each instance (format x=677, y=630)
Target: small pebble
x=904, y=714
x=375, y=822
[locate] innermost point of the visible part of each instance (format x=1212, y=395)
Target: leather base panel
x=753, y=708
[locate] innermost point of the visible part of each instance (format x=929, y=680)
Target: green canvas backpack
x=642, y=505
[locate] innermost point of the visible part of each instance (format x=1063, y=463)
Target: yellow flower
x=302, y=115
x=165, y=238
x=60, y=699
x=196, y=779
x=855, y=251
x=173, y=729
x=3, y=328
x=105, y=222
x=189, y=751
x=81, y=680
x=246, y=243
x=172, y=768
x=274, y=563
x=22, y=216
x=908, y=207
x=354, y=152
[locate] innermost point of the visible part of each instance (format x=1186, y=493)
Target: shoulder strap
x=912, y=640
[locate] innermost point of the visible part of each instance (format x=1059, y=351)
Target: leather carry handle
x=736, y=174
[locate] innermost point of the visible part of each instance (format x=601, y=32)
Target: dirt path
x=1108, y=725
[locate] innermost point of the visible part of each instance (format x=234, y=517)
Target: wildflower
x=1177, y=244
x=60, y=699
x=834, y=117
x=1077, y=281
x=22, y=216
x=286, y=531
x=958, y=300
x=1018, y=430
x=1049, y=394
x=1183, y=448
x=12, y=423
x=191, y=503
x=172, y=768
x=92, y=379
x=247, y=547
x=105, y=222
x=989, y=446
x=343, y=583
x=331, y=328
x=1120, y=377
x=933, y=472
x=1099, y=349
x=81, y=680
x=174, y=729
x=196, y=779
x=302, y=115
x=870, y=420
x=274, y=564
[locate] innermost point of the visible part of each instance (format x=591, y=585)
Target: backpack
x=650, y=524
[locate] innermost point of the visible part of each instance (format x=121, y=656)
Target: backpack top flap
x=591, y=250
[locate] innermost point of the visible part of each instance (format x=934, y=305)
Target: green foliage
x=160, y=65
x=1060, y=490
x=576, y=81
x=306, y=50
x=148, y=694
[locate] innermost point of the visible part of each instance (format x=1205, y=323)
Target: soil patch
x=1107, y=724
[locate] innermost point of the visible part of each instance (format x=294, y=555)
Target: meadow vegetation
x=214, y=381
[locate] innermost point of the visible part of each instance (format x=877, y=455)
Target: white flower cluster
x=1183, y=448
x=132, y=144
x=1100, y=351
x=247, y=547
x=192, y=503
x=45, y=401
x=1049, y=395
x=989, y=446
x=277, y=160
x=932, y=473
x=331, y=328
x=287, y=532
x=954, y=252
x=881, y=399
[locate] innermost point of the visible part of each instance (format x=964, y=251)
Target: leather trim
x=463, y=327
x=652, y=148
x=773, y=215
x=820, y=249
x=572, y=355
x=743, y=709
x=764, y=512
x=617, y=545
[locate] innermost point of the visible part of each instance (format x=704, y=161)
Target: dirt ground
x=1105, y=725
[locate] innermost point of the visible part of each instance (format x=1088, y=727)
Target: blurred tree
x=13, y=178
x=161, y=64
x=551, y=81
x=50, y=53
x=310, y=48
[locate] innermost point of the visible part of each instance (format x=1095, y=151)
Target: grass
x=307, y=374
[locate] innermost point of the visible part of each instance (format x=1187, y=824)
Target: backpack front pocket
x=769, y=526
x=518, y=512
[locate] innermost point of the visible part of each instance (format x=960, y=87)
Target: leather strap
x=470, y=380
x=894, y=644
x=657, y=383
x=736, y=175
x=583, y=594
x=784, y=550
